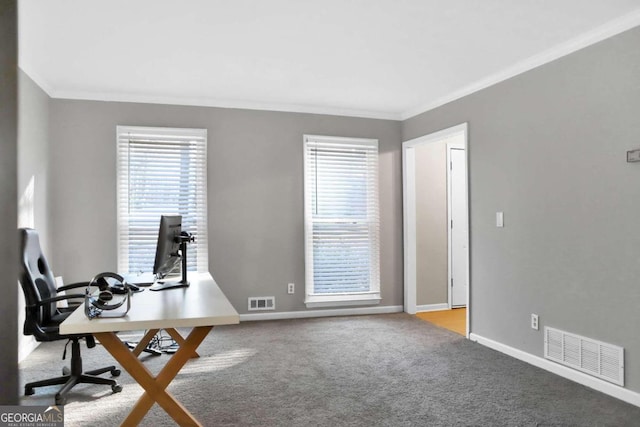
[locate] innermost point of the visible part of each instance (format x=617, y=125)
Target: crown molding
x=589, y=38
x=205, y=102
x=38, y=79
x=596, y=35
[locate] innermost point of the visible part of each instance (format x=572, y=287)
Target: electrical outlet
x=291, y=288
x=633, y=156
x=534, y=321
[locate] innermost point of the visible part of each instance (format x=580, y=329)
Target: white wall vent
x=602, y=360
x=262, y=303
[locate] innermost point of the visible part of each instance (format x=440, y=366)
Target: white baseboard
x=432, y=307
x=279, y=315
x=605, y=387
x=26, y=346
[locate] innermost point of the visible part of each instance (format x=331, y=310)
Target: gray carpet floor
x=384, y=370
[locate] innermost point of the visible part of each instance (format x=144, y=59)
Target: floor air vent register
x=602, y=360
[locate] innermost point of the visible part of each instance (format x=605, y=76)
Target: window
x=342, y=248
x=160, y=171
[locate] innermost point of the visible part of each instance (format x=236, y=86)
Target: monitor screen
x=167, y=250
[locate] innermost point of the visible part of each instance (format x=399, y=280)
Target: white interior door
x=459, y=226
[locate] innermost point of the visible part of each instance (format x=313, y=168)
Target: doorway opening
x=454, y=320
x=436, y=223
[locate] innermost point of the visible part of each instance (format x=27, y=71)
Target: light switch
x=499, y=219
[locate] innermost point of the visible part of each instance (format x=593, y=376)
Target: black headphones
x=94, y=305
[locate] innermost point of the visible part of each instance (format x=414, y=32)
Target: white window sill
x=319, y=301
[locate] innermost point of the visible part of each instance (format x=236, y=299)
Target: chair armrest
x=56, y=298
x=73, y=286
x=72, y=307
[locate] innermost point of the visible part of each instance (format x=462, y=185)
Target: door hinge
x=450, y=165
x=452, y=283
x=451, y=223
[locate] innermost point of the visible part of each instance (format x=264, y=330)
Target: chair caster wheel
x=60, y=400
x=29, y=391
x=116, y=388
x=66, y=370
x=115, y=372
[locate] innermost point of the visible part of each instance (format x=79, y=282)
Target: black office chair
x=44, y=317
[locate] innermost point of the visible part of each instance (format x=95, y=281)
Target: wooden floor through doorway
x=455, y=320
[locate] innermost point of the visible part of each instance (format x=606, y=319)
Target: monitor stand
x=161, y=285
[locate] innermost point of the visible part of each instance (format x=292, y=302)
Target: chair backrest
x=37, y=281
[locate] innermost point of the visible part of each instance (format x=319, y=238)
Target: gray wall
x=33, y=161
x=255, y=190
x=8, y=197
x=432, y=256
x=33, y=151
x=548, y=148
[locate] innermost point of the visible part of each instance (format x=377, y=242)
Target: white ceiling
x=370, y=58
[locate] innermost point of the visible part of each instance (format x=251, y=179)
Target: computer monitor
x=171, y=252
x=168, y=247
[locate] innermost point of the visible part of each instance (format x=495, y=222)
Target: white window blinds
x=160, y=171
x=341, y=220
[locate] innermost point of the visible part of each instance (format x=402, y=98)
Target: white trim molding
x=432, y=307
x=303, y=314
x=594, y=36
x=460, y=146
x=409, y=214
x=605, y=387
x=319, y=301
x=191, y=101
x=586, y=39
x=26, y=348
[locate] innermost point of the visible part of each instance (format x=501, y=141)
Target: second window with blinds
x=160, y=171
x=342, y=238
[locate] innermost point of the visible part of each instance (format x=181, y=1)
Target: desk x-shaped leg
x=155, y=387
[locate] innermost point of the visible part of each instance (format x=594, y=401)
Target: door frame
x=409, y=213
x=455, y=146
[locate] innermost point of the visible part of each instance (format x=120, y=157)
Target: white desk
x=201, y=306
